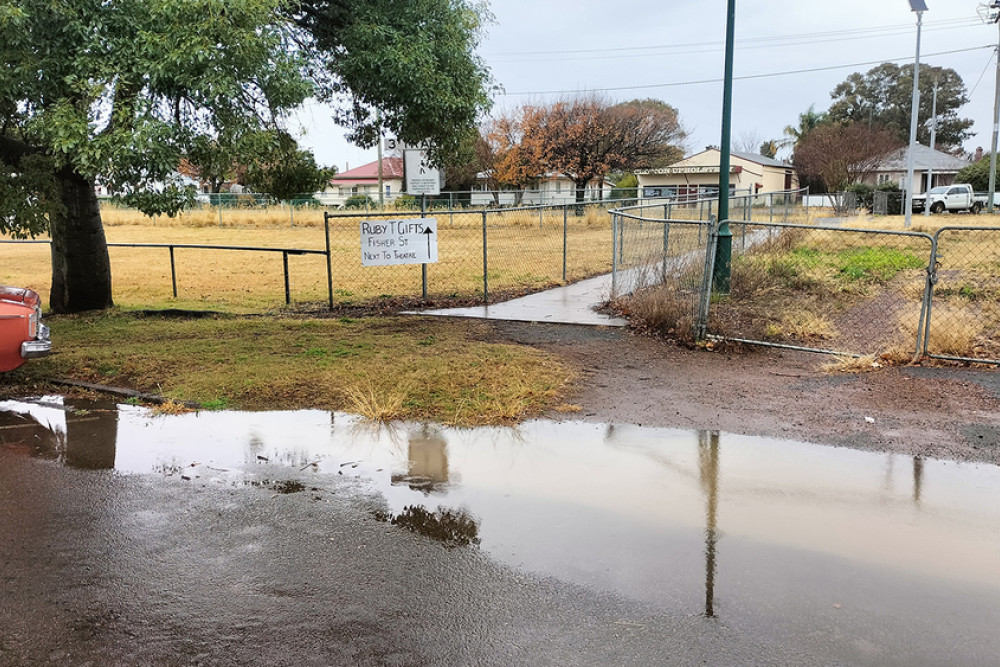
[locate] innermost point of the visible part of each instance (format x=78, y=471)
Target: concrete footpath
x=572, y=304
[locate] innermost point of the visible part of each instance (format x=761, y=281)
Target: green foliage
x=884, y=95
x=359, y=201
x=865, y=193
x=626, y=188
x=414, y=61
x=976, y=174
x=281, y=170
x=119, y=92
x=27, y=197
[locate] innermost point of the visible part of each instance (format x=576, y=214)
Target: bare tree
x=841, y=155
x=749, y=141
x=586, y=138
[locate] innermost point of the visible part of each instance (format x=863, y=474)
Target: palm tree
x=809, y=120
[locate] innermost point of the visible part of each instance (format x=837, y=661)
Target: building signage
x=710, y=169
x=388, y=242
x=421, y=177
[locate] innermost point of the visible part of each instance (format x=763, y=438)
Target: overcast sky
x=673, y=50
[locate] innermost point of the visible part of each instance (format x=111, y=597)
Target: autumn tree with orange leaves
x=584, y=139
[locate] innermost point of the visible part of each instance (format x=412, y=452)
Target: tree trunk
x=581, y=194
x=81, y=268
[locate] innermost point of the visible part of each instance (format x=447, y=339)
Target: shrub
x=359, y=201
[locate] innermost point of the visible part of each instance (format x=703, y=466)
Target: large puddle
x=705, y=523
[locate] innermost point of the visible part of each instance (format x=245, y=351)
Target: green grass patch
x=877, y=264
x=387, y=368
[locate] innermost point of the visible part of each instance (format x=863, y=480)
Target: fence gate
x=964, y=308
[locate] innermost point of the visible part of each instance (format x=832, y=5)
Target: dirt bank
x=939, y=412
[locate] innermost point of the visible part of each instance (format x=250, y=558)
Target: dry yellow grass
x=524, y=252
x=846, y=364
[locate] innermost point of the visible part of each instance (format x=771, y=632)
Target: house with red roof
x=363, y=180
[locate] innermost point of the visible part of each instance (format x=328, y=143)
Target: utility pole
x=919, y=7
x=991, y=14
x=381, y=188
x=930, y=165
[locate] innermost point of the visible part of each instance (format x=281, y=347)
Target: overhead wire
x=752, y=42
x=743, y=77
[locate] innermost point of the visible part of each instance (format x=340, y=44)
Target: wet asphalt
x=306, y=538
x=106, y=569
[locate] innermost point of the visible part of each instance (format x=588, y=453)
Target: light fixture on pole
x=991, y=14
x=918, y=6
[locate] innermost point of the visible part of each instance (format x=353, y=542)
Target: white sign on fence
x=387, y=242
x=421, y=177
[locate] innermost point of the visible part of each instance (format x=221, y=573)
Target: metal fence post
x=173, y=271
x=329, y=258
x=565, y=239
x=932, y=279
x=423, y=267
x=666, y=247
x=486, y=272
x=707, y=280
x=288, y=287
x=614, y=255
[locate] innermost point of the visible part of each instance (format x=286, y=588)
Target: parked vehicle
x=22, y=334
x=954, y=198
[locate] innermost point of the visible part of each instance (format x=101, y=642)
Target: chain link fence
x=663, y=256
x=253, y=263
x=963, y=322
x=839, y=290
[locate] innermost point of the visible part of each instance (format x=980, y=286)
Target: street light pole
x=918, y=6
x=930, y=166
x=991, y=14
x=724, y=247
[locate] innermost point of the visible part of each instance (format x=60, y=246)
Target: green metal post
x=724, y=251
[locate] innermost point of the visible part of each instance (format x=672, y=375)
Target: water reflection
x=455, y=528
x=84, y=439
x=708, y=460
x=640, y=512
x=427, y=461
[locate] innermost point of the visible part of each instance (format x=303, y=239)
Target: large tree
x=840, y=155
x=884, y=96
x=414, y=61
x=586, y=138
x=119, y=92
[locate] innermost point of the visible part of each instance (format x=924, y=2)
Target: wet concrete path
x=571, y=304
x=310, y=537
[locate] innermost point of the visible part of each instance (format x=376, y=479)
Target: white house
x=941, y=166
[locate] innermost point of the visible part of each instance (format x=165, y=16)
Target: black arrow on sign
x=428, y=232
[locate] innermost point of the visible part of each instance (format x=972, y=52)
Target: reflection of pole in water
x=918, y=478
x=708, y=464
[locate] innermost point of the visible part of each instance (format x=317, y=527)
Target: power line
x=980, y=79
x=706, y=48
x=865, y=32
x=744, y=77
